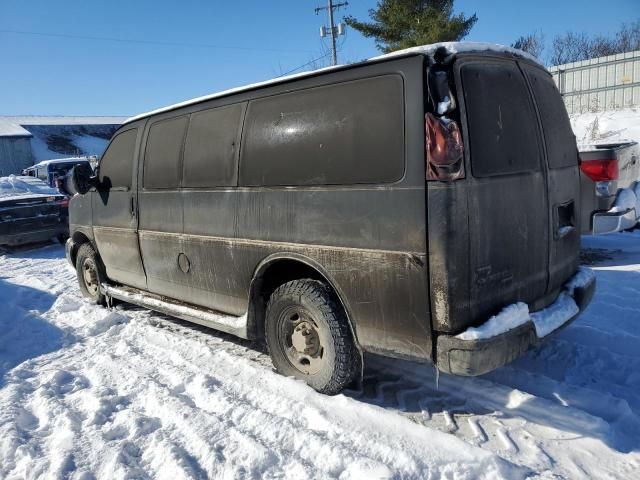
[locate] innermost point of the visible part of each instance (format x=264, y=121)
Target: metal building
x=15, y=148
x=25, y=140
x=598, y=84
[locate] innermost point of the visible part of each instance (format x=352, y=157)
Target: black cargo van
x=407, y=206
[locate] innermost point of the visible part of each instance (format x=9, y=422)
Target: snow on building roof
x=450, y=47
x=9, y=128
x=12, y=126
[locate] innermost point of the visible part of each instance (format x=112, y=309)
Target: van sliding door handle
x=132, y=206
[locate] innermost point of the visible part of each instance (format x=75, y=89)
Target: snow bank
x=607, y=127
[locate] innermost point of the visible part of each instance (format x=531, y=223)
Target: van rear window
x=346, y=133
x=502, y=121
x=558, y=135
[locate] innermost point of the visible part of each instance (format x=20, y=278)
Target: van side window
x=116, y=164
x=555, y=120
x=498, y=104
x=211, y=147
x=346, y=133
x=162, y=165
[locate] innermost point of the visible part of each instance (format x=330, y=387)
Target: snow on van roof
x=460, y=47
x=450, y=47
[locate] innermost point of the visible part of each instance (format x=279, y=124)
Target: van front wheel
x=308, y=336
x=90, y=274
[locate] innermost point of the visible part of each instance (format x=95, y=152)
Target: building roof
x=13, y=126
x=9, y=128
x=450, y=48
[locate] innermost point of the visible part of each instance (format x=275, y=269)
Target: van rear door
x=563, y=176
x=508, y=207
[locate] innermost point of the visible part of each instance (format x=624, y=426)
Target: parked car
x=31, y=211
x=420, y=205
x=610, y=192
x=53, y=171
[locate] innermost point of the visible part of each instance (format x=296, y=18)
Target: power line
x=306, y=64
x=150, y=42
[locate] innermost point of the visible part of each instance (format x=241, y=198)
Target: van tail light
x=444, y=149
x=64, y=203
x=600, y=170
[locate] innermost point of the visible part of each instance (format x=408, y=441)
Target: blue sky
x=198, y=47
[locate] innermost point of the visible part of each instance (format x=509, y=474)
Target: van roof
x=429, y=50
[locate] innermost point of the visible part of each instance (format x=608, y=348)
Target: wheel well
x=267, y=281
x=78, y=239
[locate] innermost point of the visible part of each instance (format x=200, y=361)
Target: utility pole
x=332, y=29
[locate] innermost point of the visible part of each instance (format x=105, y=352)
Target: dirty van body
x=382, y=207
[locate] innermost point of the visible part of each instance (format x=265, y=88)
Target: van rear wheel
x=308, y=336
x=90, y=274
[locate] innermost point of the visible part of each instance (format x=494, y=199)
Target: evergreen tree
x=399, y=24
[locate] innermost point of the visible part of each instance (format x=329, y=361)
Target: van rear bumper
x=476, y=357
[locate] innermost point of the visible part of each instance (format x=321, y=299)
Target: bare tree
x=628, y=38
x=573, y=47
x=532, y=43
x=570, y=47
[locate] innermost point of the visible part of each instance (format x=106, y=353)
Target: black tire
x=306, y=313
x=88, y=264
x=62, y=238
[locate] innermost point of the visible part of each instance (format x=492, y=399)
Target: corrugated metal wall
x=603, y=83
x=15, y=155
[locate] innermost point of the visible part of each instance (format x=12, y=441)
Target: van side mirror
x=79, y=180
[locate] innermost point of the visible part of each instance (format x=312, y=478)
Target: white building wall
x=603, y=83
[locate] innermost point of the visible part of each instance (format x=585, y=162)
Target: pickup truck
x=609, y=187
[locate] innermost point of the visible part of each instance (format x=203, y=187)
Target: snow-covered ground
x=87, y=392
x=607, y=127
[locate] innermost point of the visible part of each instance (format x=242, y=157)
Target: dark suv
x=419, y=205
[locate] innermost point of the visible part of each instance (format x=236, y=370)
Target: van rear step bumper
x=209, y=318
x=476, y=357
